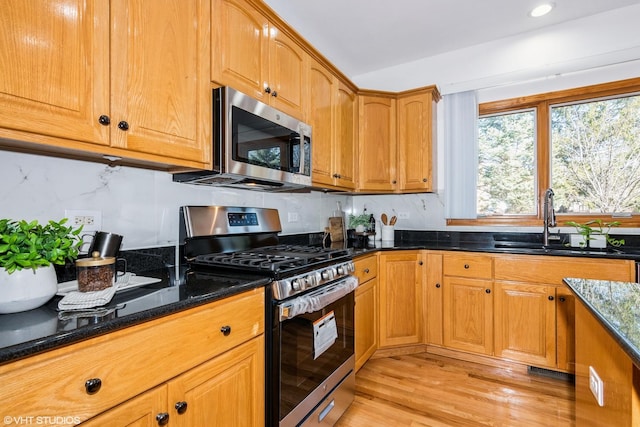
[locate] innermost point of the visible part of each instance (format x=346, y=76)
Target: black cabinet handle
x=424, y=179
x=488, y=291
x=394, y=182
x=123, y=125
x=551, y=298
x=104, y=120
x=420, y=263
x=562, y=299
x=437, y=285
x=275, y=93
x=267, y=89
x=162, y=419
x=92, y=386
x=181, y=407
x=366, y=271
x=226, y=330
x=466, y=266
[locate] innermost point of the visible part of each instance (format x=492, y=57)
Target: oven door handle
x=318, y=299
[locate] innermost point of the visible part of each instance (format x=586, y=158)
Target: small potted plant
x=359, y=222
x=595, y=233
x=28, y=251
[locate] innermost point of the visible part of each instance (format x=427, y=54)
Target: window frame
x=542, y=104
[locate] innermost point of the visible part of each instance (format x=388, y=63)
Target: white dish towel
x=82, y=300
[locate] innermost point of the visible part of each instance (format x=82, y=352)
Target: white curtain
x=461, y=154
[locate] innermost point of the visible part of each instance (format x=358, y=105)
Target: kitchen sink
x=537, y=247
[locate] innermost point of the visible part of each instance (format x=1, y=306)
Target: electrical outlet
x=293, y=217
x=596, y=386
x=403, y=215
x=89, y=220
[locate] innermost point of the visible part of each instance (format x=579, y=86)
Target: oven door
x=314, y=348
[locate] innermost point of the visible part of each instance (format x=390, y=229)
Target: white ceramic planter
x=598, y=241
x=26, y=289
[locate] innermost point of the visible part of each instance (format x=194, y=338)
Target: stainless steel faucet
x=549, y=216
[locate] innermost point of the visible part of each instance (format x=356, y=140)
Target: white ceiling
x=363, y=36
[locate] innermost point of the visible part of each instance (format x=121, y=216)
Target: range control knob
x=340, y=270
x=311, y=281
x=295, y=284
x=327, y=274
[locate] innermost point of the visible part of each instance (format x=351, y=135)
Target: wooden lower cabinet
x=525, y=322
x=401, y=281
x=468, y=314
x=434, y=304
x=366, y=310
x=185, y=356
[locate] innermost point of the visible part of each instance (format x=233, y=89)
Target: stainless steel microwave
x=255, y=146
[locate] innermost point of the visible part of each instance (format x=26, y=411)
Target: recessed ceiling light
x=541, y=10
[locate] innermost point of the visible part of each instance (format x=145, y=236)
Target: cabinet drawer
x=366, y=268
x=551, y=269
x=468, y=265
x=129, y=361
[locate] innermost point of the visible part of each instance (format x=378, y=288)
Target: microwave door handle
x=301, y=149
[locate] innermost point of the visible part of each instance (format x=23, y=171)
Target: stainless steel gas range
x=309, y=318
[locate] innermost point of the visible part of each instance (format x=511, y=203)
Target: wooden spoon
x=393, y=220
x=383, y=218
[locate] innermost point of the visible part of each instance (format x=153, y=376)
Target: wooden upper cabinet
x=252, y=55
x=123, y=78
x=159, y=77
x=54, y=58
x=377, y=143
x=416, y=140
x=332, y=115
x=397, y=134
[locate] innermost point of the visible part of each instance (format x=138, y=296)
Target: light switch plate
x=596, y=385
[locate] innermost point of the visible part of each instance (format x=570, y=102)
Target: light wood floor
x=430, y=390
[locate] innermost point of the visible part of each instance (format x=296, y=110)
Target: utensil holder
x=387, y=233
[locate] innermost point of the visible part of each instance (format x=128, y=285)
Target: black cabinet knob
x=424, y=179
x=104, y=120
x=366, y=271
x=335, y=175
x=466, y=266
x=551, y=298
x=437, y=285
x=420, y=262
x=92, y=386
x=226, y=330
x=488, y=291
x=394, y=182
x=162, y=419
x=562, y=299
x=181, y=407
x=274, y=93
x=123, y=125
x=267, y=89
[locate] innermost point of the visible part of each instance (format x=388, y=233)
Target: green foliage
x=32, y=245
x=597, y=226
x=356, y=220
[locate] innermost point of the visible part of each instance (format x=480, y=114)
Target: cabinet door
x=226, y=391
x=160, y=84
x=468, y=314
x=415, y=132
x=287, y=70
x=366, y=321
x=346, y=137
x=433, y=306
x=240, y=47
x=400, y=298
x=565, y=329
x=525, y=323
x=145, y=410
x=321, y=89
x=54, y=57
x=377, y=144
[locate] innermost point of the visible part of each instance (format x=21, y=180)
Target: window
x=584, y=143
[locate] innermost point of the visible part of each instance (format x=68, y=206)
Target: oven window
x=261, y=142
x=303, y=367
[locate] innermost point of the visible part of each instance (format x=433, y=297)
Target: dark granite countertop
x=45, y=328
x=616, y=305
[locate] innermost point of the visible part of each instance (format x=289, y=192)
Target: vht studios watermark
x=41, y=420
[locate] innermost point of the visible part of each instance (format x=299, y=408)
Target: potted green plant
x=595, y=233
x=359, y=222
x=28, y=252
